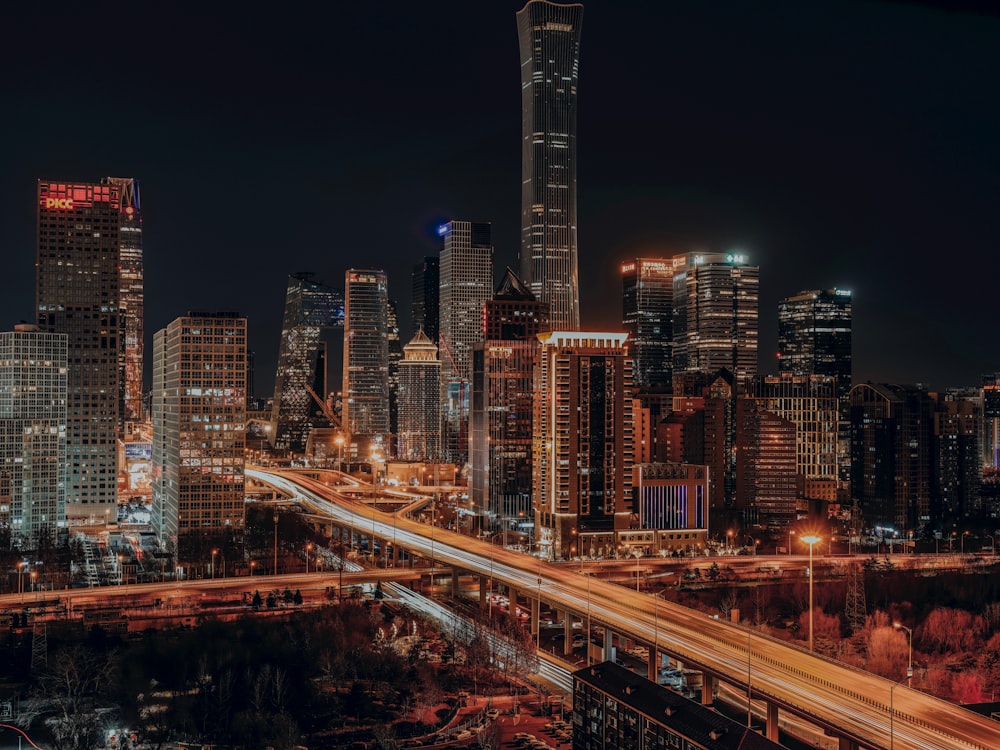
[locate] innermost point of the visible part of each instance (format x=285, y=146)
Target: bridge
x=860, y=709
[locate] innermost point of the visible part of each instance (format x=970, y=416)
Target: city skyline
x=843, y=147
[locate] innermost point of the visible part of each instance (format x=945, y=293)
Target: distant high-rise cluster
x=572, y=442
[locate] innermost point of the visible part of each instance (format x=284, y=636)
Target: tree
x=72, y=686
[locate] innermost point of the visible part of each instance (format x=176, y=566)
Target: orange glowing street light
x=811, y=540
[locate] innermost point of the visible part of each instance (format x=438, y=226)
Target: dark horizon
x=838, y=144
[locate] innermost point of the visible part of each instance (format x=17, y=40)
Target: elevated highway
x=859, y=708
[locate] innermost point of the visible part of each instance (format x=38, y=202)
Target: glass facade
x=312, y=311
x=419, y=399
x=814, y=335
x=366, y=353
x=716, y=301
x=549, y=38
x=33, y=399
x=647, y=314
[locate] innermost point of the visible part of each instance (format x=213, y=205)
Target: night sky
x=849, y=144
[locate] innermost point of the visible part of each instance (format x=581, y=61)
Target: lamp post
x=275, y=572
x=790, y=535
x=253, y=564
x=214, y=553
x=909, y=641
x=308, y=552
x=339, y=440
x=810, y=539
x=964, y=534
x=638, y=553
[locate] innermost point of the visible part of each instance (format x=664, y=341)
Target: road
x=869, y=710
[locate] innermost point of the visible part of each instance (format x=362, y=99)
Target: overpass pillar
x=454, y=582
x=536, y=617
x=707, y=688
x=567, y=634
x=482, y=591
x=608, y=649
x=652, y=671
x=845, y=744
x=772, y=721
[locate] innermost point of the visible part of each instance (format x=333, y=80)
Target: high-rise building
x=199, y=421
x=814, y=335
x=991, y=422
x=466, y=284
x=366, y=358
x=426, y=277
x=314, y=319
x=33, y=376
x=582, y=441
x=549, y=39
x=766, y=486
x=78, y=291
x=810, y=402
x=394, y=347
x=647, y=314
x=716, y=298
x=419, y=401
x=131, y=296
x=891, y=458
x=958, y=471
x=502, y=404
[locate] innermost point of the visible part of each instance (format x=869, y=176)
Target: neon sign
x=63, y=204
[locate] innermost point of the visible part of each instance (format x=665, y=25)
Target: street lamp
x=253, y=564
x=964, y=534
x=275, y=571
x=214, y=553
x=810, y=539
x=790, y=535
x=308, y=551
x=638, y=553
x=909, y=640
x=339, y=440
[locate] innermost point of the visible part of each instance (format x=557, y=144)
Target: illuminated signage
x=734, y=258
x=442, y=230
x=129, y=210
x=62, y=204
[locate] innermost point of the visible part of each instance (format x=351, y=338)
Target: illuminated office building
x=958, y=470
x=814, y=335
x=810, y=402
x=466, y=283
x=426, y=280
x=78, y=292
x=766, y=484
x=131, y=298
x=891, y=458
x=366, y=358
x=419, y=401
x=582, y=441
x=647, y=312
x=199, y=421
x=991, y=422
x=502, y=406
x=394, y=347
x=549, y=40
x=33, y=377
x=716, y=298
x=313, y=321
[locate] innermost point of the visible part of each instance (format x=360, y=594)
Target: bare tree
x=72, y=686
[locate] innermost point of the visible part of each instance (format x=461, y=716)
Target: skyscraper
x=33, y=429
x=426, y=278
x=466, y=284
x=647, y=311
x=582, y=441
x=549, y=39
x=131, y=297
x=419, y=401
x=502, y=405
x=199, y=420
x=394, y=348
x=991, y=422
x=366, y=357
x=814, y=335
x=716, y=300
x=313, y=311
x=78, y=291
